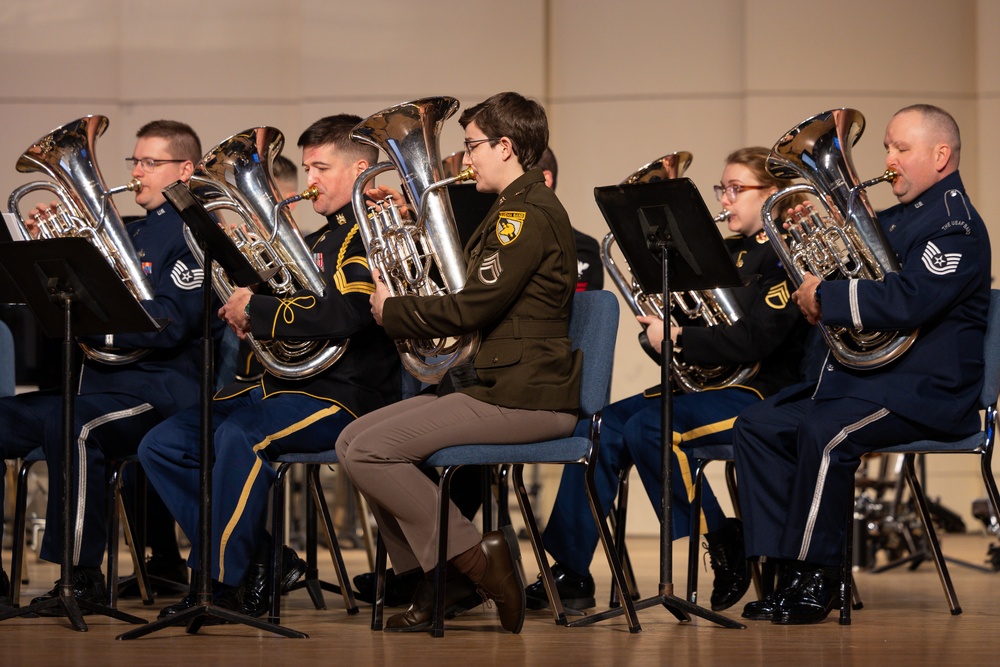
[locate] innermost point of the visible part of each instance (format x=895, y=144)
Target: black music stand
x=73, y=291
x=213, y=241
x=654, y=225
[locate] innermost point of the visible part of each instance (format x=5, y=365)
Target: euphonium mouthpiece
x=723, y=216
x=467, y=174
x=310, y=193
x=889, y=175
x=132, y=186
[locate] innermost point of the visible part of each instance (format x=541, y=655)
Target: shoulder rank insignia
x=777, y=297
x=490, y=269
x=509, y=224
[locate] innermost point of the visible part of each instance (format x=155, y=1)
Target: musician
x=116, y=404
x=770, y=332
x=797, y=452
x=257, y=422
x=521, y=267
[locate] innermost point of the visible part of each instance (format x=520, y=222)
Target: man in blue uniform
x=770, y=333
x=116, y=404
x=255, y=422
x=797, y=452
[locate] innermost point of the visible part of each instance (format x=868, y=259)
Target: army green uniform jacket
x=519, y=287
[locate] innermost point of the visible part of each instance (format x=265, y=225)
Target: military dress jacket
x=943, y=290
x=520, y=281
x=367, y=375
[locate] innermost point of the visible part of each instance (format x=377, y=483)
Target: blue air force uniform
x=255, y=422
x=797, y=452
x=771, y=333
x=116, y=404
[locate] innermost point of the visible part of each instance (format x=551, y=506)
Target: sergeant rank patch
x=489, y=270
x=509, y=225
x=777, y=297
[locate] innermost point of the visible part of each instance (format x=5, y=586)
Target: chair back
x=593, y=328
x=991, y=356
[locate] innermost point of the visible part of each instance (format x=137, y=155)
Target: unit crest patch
x=509, y=224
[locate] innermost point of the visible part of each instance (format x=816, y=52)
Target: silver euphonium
x=85, y=209
x=413, y=254
x=847, y=242
x=236, y=175
x=712, y=306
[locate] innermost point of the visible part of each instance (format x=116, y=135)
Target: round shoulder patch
x=509, y=224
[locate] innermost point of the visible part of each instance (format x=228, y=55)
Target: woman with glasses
x=771, y=333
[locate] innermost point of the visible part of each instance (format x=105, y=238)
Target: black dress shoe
x=729, y=563
x=502, y=580
x=256, y=593
x=399, y=588
x=88, y=584
x=460, y=595
x=575, y=591
x=815, y=595
x=769, y=606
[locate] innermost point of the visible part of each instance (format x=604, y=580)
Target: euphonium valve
x=844, y=239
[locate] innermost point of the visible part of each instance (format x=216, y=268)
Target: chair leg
x=378, y=608
x=120, y=519
x=619, y=519
x=319, y=504
x=694, y=538
x=277, y=531
x=932, y=540
x=311, y=581
x=440, y=568
x=17, y=560
x=847, y=570
x=366, y=527
x=535, y=537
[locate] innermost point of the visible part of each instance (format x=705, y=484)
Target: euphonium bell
x=85, y=209
x=236, y=175
x=712, y=307
x=847, y=242
x=413, y=255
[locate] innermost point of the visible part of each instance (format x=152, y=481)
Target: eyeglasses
x=734, y=190
x=471, y=145
x=148, y=163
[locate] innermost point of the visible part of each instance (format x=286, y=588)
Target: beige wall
x=624, y=82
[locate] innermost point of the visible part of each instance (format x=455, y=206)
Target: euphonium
x=407, y=252
x=848, y=243
x=85, y=209
x=236, y=175
x=713, y=307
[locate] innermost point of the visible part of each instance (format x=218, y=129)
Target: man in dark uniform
x=770, y=333
x=116, y=404
x=797, y=452
x=522, y=386
x=257, y=422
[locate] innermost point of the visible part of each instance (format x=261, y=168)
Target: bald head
x=922, y=146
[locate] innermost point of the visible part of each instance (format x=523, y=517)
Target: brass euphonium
x=236, y=175
x=413, y=254
x=713, y=307
x=85, y=209
x=848, y=242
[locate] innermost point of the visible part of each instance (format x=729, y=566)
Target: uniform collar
x=344, y=216
x=520, y=183
x=952, y=181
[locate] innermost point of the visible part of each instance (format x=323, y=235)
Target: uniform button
x=829, y=367
x=496, y=359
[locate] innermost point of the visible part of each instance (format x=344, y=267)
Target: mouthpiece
x=132, y=186
x=723, y=216
x=310, y=193
x=467, y=174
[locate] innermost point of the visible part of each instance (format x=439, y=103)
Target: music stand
x=656, y=224
x=213, y=241
x=73, y=291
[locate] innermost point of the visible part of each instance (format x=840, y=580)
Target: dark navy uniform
x=116, y=404
x=797, y=452
x=255, y=422
x=521, y=279
x=771, y=332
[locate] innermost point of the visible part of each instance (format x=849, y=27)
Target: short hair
x=548, y=163
x=336, y=131
x=183, y=142
x=283, y=169
x=516, y=117
x=941, y=122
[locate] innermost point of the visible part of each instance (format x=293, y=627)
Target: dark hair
x=183, y=142
x=942, y=122
x=516, y=117
x=283, y=169
x=336, y=130
x=548, y=163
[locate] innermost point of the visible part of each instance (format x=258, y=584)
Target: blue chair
x=980, y=443
x=593, y=326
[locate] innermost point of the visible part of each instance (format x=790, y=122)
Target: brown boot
x=502, y=580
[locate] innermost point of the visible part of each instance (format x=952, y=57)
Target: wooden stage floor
x=905, y=622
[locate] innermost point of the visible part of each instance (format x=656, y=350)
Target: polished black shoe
x=502, y=580
x=813, y=597
x=172, y=571
x=399, y=588
x=88, y=584
x=5, y=600
x=729, y=563
x=769, y=606
x=256, y=593
x=576, y=592
x=460, y=596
